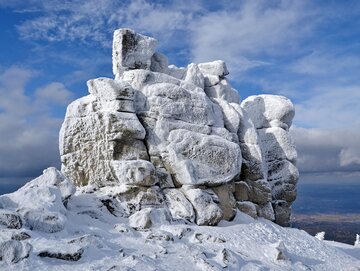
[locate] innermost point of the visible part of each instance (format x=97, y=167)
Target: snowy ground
x=95, y=235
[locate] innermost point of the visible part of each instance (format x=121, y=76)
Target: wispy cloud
x=54, y=93
x=248, y=32
x=330, y=107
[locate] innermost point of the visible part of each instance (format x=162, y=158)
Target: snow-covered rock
x=131, y=51
x=178, y=139
x=13, y=251
x=10, y=220
x=206, y=209
x=216, y=68
x=272, y=116
x=100, y=235
x=269, y=111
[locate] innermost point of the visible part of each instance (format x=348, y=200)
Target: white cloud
x=55, y=93
x=245, y=33
x=322, y=149
x=327, y=64
x=350, y=156
x=330, y=108
x=28, y=132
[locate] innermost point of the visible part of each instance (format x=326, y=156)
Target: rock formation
x=177, y=140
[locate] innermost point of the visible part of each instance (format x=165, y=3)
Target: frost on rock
x=178, y=138
x=272, y=116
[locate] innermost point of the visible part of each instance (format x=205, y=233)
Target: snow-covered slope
x=91, y=231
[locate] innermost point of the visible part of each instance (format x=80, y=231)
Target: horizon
x=308, y=52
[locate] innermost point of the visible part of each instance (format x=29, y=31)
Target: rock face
x=178, y=140
x=272, y=116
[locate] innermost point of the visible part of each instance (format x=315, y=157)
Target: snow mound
x=97, y=233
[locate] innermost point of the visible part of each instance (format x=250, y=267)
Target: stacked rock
x=272, y=116
x=172, y=138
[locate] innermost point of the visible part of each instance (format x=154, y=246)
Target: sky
x=308, y=51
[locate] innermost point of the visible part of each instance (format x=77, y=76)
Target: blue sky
x=308, y=51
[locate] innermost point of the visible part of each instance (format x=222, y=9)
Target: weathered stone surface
x=159, y=63
x=248, y=208
x=176, y=72
x=242, y=191
x=227, y=201
x=13, y=251
x=207, y=211
x=217, y=68
x=135, y=172
x=10, y=220
x=253, y=166
x=194, y=76
x=131, y=51
x=74, y=255
x=137, y=197
x=282, y=211
x=179, y=206
x=44, y=221
x=269, y=110
x=149, y=217
x=260, y=191
x=231, y=117
x=223, y=90
x=277, y=144
x=21, y=236
x=272, y=116
x=92, y=135
x=141, y=220
x=197, y=159
x=109, y=90
x=282, y=171
x=266, y=211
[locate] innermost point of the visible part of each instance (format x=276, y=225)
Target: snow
x=99, y=236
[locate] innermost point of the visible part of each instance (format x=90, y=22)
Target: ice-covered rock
x=248, y=208
x=202, y=160
x=10, y=220
x=148, y=217
x=206, y=209
x=178, y=139
x=179, y=206
x=272, y=116
x=216, y=68
x=269, y=111
x=320, y=235
x=131, y=51
x=13, y=251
